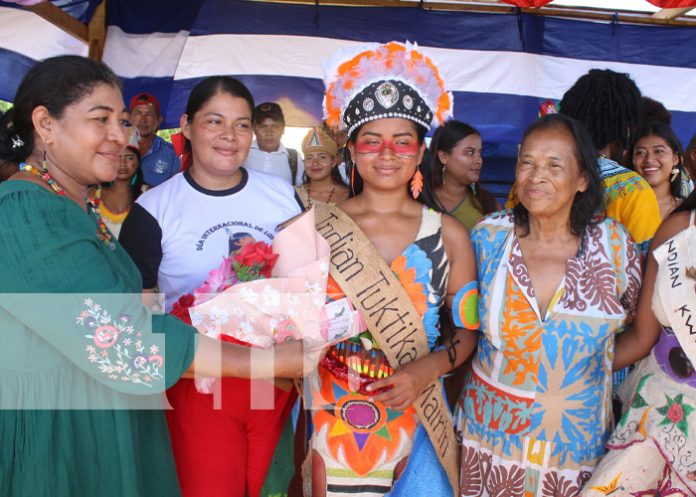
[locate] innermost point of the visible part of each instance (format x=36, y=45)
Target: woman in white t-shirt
x=177, y=233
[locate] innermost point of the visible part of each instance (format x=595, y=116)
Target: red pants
x=225, y=452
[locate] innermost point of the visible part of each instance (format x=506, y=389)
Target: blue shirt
x=160, y=163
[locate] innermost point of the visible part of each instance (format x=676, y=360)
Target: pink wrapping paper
x=291, y=304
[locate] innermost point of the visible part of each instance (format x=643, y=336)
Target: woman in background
x=322, y=179
x=657, y=157
x=119, y=194
x=455, y=172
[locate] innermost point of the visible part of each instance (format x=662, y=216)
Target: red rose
x=258, y=256
x=181, y=308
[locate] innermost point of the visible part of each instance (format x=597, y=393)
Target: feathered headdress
x=378, y=81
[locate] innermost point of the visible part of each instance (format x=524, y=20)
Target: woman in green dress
x=83, y=362
x=455, y=171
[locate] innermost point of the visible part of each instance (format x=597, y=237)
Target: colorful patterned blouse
x=535, y=411
x=631, y=201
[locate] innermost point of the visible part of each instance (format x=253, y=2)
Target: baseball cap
x=268, y=109
x=134, y=149
x=145, y=99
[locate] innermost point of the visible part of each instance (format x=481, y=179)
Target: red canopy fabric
x=673, y=4
x=527, y=3
x=665, y=4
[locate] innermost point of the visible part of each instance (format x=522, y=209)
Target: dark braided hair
x=608, y=104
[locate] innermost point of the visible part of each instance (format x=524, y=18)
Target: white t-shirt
x=178, y=231
x=277, y=163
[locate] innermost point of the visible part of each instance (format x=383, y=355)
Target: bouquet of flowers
x=265, y=294
x=252, y=262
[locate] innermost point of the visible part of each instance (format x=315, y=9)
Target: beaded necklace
x=309, y=194
x=92, y=202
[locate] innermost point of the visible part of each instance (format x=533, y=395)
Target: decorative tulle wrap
x=291, y=304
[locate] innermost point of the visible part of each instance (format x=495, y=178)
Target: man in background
x=267, y=153
x=159, y=161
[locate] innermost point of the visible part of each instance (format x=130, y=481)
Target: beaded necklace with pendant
x=92, y=202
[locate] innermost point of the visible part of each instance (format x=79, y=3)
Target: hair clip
x=17, y=142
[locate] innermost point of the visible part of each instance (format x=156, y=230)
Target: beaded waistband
x=353, y=362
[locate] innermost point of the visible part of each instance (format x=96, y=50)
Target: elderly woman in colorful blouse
x=557, y=284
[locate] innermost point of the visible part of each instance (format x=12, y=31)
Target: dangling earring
x=444, y=170
x=674, y=174
x=43, y=162
x=473, y=188
x=416, y=183
x=352, y=177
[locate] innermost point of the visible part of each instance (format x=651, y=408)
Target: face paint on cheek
x=401, y=149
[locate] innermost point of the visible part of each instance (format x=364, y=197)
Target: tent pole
x=493, y=6
x=93, y=34
x=671, y=13
x=97, y=32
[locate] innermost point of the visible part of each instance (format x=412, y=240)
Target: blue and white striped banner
x=500, y=67
x=26, y=38
x=498, y=76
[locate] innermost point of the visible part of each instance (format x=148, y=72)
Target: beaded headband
x=382, y=81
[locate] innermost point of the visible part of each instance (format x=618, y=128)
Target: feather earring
x=417, y=183
x=352, y=177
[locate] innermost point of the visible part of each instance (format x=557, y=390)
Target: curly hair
x=607, y=103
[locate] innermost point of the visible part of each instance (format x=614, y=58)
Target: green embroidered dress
x=81, y=376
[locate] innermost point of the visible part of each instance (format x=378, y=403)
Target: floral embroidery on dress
x=665, y=488
x=117, y=349
x=675, y=413
x=610, y=488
